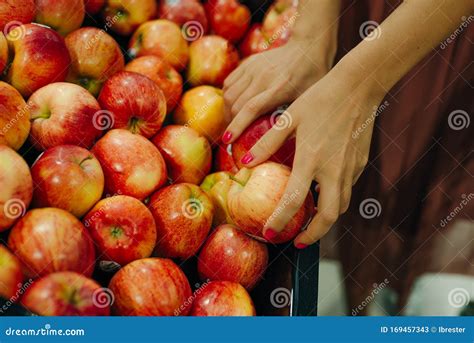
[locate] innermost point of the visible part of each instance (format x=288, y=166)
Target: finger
x=260, y=103
x=346, y=193
x=294, y=197
x=266, y=146
x=232, y=94
x=252, y=90
x=234, y=76
x=327, y=214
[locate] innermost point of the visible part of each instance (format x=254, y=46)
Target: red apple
x=93, y=7
x=223, y=160
x=230, y=255
x=11, y=277
x=13, y=12
x=3, y=52
x=48, y=240
x=14, y=117
x=222, y=298
x=255, y=41
x=150, y=287
x=16, y=187
x=125, y=16
x=123, y=229
x=187, y=154
x=95, y=56
x=67, y=177
x=254, y=196
x=40, y=57
x=279, y=21
x=202, y=108
x=254, y=132
x=62, y=15
x=165, y=76
x=63, y=113
x=67, y=294
x=183, y=215
x=185, y=13
x=132, y=165
x=136, y=103
x=228, y=18
x=161, y=38
x=211, y=59
x=217, y=187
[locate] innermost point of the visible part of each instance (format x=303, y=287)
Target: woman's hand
x=333, y=122
x=267, y=80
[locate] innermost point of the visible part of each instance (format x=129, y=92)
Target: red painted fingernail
x=269, y=234
x=247, y=158
x=300, y=245
x=226, y=137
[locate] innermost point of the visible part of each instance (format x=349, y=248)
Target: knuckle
x=228, y=98
x=329, y=216
x=252, y=106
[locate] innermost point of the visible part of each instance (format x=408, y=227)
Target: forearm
x=317, y=25
x=402, y=40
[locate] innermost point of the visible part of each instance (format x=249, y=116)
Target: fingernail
x=226, y=137
x=247, y=158
x=300, y=245
x=269, y=234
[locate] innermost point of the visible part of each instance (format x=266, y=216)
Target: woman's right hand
x=270, y=79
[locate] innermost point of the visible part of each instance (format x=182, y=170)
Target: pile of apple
x=129, y=172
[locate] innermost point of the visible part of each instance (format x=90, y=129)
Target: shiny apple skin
x=254, y=42
x=223, y=159
x=150, y=287
x=49, y=240
x=184, y=11
x=132, y=165
x=217, y=187
x=64, y=16
x=252, y=134
x=136, y=103
x=67, y=177
x=16, y=187
x=161, y=38
x=228, y=18
x=11, y=11
x=223, y=299
x=93, y=7
x=280, y=18
x=230, y=255
x=14, y=117
x=187, y=154
x=164, y=75
x=3, y=52
x=95, y=57
x=255, y=195
x=11, y=277
x=122, y=228
x=125, y=16
x=202, y=108
x=66, y=294
x=63, y=114
x=40, y=58
x=183, y=215
x=211, y=60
